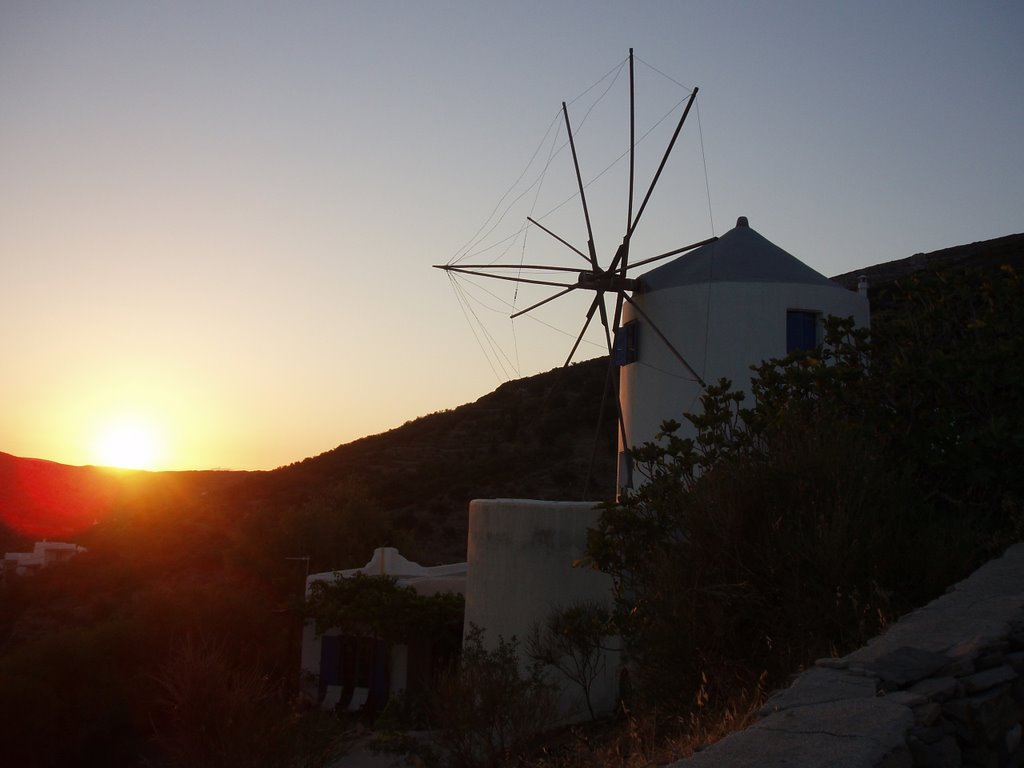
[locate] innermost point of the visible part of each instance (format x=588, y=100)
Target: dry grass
x=639, y=740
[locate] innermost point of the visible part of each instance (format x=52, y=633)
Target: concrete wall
x=944, y=686
x=520, y=556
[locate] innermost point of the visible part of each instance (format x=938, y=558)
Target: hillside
x=536, y=437
x=985, y=254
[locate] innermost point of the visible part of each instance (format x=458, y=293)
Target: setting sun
x=128, y=444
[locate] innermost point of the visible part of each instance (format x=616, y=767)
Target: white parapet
x=520, y=568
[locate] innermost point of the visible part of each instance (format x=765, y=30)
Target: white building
x=43, y=554
x=521, y=568
x=723, y=307
x=354, y=671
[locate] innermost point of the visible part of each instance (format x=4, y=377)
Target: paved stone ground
x=944, y=686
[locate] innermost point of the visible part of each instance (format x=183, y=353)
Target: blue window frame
x=801, y=330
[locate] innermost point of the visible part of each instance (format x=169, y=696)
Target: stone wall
x=944, y=686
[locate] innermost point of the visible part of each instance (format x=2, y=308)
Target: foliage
x=216, y=710
x=490, y=712
x=65, y=702
x=572, y=640
x=378, y=606
x=865, y=477
x=950, y=363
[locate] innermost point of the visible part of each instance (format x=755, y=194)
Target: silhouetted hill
x=50, y=500
x=980, y=255
x=536, y=437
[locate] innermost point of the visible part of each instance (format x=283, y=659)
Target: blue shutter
x=801, y=330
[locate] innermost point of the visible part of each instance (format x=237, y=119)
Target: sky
x=218, y=219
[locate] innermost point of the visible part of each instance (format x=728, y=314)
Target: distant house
x=43, y=554
x=353, y=672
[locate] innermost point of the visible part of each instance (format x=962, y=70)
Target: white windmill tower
x=723, y=307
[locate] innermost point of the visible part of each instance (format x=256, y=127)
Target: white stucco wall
x=520, y=568
x=720, y=329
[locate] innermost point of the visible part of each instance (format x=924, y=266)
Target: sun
x=128, y=444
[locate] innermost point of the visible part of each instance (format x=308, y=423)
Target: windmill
x=604, y=282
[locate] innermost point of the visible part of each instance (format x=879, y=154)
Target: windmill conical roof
x=741, y=255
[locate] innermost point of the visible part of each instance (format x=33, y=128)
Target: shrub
x=215, y=710
x=490, y=712
x=572, y=641
x=848, y=493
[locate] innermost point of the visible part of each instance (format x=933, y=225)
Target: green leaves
x=377, y=606
x=864, y=477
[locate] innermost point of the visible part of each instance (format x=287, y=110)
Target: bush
x=218, y=711
x=490, y=712
x=572, y=641
x=866, y=477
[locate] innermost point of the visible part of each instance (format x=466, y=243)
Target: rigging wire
x=496, y=353
x=704, y=159
x=526, y=234
x=468, y=300
x=667, y=77
x=495, y=348
x=472, y=328
x=617, y=160
x=552, y=153
x=663, y=372
x=711, y=260
x=533, y=318
x=480, y=234
x=617, y=70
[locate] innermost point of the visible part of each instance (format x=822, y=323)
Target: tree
x=572, y=640
x=490, y=711
x=378, y=606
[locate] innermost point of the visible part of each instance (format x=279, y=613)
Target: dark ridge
x=982, y=254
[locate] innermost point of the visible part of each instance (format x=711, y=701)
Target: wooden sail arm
x=514, y=267
x=685, y=248
x=567, y=244
x=465, y=271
